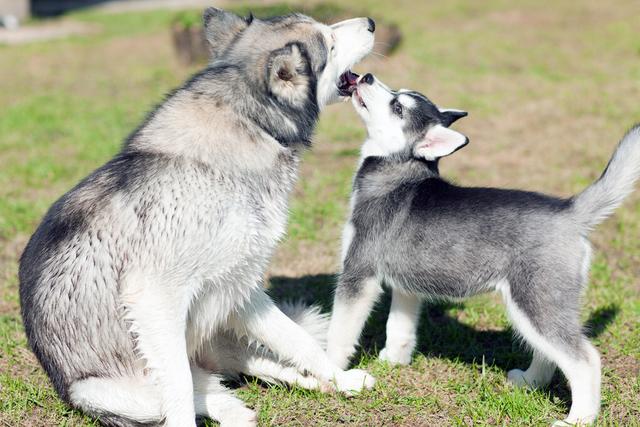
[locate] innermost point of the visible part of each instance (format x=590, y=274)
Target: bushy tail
x=601, y=198
x=310, y=318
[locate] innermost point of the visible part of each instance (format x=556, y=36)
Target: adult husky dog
x=427, y=238
x=132, y=274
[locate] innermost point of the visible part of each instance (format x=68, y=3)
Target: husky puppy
x=427, y=238
x=135, y=274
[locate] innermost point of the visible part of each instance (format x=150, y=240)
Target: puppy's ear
x=448, y=116
x=439, y=142
x=288, y=75
x=221, y=27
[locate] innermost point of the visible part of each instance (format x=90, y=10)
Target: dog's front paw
x=395, y=357
x=239, y=417
x=310, y=383
x=581, y=421
x=353, y=381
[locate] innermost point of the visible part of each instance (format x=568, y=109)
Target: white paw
x=353, y=381
x=308, y=382
x=395, y=357
x=516, y=377
x=560, y=423
x=239, y=417
x=575, y=421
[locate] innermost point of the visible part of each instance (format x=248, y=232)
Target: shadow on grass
x=439, y=335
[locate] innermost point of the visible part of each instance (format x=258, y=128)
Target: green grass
x=549, y=87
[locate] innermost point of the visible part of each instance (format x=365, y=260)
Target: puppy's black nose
x=368, y=78
x=372, y=25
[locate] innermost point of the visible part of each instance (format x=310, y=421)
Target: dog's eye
x=396, y=107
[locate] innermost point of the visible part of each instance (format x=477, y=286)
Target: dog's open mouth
x=347, y=83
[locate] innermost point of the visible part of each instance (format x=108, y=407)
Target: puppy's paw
x=517, y=378
x=395, y=357
x=239, y=417
x=580, y=421
x=354, y=381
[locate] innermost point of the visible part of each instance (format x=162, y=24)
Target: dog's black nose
x=372, y=25
x=368, y=78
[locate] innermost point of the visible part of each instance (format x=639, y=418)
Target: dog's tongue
x=348, y=82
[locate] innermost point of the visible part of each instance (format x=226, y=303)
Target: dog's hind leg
x=551, y=326
x=136, y=401
x=352, y=305
x=214, y=400
x=123, y=402
x=402, y=326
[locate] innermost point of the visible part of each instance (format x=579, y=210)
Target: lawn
x=550, y=89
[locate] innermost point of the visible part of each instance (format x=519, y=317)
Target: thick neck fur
x=378, y=176
x=216, y=118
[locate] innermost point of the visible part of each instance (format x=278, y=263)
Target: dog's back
x=69, y=275
x=444, y=240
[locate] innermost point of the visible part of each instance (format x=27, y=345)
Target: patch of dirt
x=304, y=258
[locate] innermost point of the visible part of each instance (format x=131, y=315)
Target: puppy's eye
x=396, y=107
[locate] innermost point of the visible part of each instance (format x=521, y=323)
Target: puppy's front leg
x=354, y=300
x=401, y=328
x=158, y=318
x=264, y=321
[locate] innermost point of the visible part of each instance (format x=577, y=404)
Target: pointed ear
x=439, y=142
x=287, y=78
x=448, y=116
x=221, y=27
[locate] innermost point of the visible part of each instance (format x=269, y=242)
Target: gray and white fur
x=426, y=238
x=140, y=279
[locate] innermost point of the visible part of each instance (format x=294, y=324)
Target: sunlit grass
x=549, y=88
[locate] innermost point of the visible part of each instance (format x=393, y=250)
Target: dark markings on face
x=397, y=108
x=314, y=52
x=319, y=53
x=418, y=118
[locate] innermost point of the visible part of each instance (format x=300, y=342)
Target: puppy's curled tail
x=600, y=199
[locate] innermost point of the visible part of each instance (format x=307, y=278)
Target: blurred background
x=550, y=88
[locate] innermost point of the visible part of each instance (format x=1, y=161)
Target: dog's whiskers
x=378, y=54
